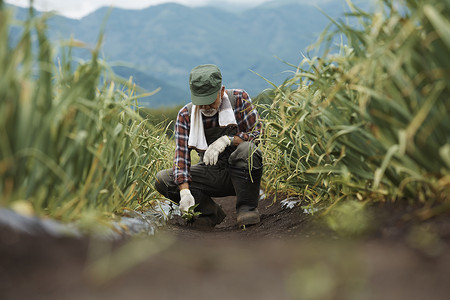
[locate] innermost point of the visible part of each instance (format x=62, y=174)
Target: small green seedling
x=190, y=215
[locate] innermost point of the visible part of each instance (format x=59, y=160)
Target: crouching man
x=222, y=126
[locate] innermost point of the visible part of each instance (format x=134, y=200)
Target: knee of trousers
x=162, y=180
x=166, y=186
x=246, y=156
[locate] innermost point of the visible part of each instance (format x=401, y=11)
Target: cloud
x=80, y=8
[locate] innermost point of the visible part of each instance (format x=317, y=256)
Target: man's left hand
x=212, y=153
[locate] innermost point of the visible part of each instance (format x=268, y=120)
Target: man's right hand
x=187, y=200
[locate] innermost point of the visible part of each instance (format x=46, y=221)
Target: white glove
x=187, y=200
x=212, y=153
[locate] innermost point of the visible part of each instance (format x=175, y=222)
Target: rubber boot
x=247, y=187
x=246, y=218
x=212, y=213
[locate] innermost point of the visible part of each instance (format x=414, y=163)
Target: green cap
x=205, y=82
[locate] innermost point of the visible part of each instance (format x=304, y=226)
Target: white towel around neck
x=197, y=137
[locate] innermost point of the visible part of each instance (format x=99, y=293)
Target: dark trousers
x=236, y=174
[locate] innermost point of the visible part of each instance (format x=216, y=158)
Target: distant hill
x=162, y=43
x=167, y=96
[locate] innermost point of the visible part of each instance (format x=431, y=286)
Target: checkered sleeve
x=249, y=125
x=182, y=160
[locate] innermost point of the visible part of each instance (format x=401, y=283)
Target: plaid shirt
x=248, y=129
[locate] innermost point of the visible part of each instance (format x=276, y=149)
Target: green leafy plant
x=190, y=215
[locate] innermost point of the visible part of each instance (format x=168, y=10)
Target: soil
x=289, y=255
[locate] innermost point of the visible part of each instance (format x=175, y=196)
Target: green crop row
x=71, y=141
x=369, y=120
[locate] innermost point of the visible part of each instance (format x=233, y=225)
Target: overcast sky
x=80, y=8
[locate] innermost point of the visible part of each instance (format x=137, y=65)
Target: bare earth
x=287, y=256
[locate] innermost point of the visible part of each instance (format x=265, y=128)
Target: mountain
x=168, y=94
x=162, y=43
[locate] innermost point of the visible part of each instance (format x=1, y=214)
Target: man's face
x=212, y=108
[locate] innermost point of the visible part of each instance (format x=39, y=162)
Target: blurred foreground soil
x=287, y=256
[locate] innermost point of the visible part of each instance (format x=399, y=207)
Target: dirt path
x=287, y=256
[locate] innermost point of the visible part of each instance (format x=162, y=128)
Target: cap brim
x=204, y=100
